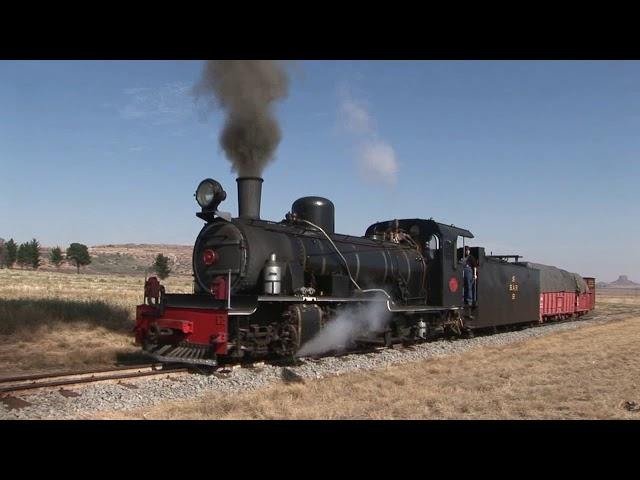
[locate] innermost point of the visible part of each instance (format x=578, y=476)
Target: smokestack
x=249, y=194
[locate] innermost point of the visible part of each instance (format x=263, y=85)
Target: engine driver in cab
x=470, y=274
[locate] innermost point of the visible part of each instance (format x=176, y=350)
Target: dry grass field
x=52, y=320
x=587, y=373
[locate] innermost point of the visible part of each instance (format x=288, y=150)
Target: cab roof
x=425, y=226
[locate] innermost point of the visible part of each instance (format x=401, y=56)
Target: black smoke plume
x=246, y=90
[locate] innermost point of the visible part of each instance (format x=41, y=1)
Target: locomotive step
x=182, y=354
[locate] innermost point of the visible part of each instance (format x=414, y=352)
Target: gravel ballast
x=50, y=404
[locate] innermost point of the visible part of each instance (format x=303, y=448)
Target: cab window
x=433, y=243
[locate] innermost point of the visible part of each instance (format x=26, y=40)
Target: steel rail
x=39, y=376
x=89, y=377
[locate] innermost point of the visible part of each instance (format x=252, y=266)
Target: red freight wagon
x=557, y=304
x=587, y=300
x=563, y=294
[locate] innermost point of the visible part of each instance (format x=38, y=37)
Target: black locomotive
x=267, y=288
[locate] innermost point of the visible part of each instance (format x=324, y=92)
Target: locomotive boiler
x=266, y=288
x=301, y=254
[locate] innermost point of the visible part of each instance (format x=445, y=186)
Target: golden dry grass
x=620, y=296
x=52, y=320
x=579, y=374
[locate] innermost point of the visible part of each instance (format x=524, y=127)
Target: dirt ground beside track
x=52, y=321
x=588, y=373
x=56, y=321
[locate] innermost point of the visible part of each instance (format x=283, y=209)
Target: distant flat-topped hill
x=128, y=258
x=622, y=282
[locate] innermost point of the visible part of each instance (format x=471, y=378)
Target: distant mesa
x=623, y=281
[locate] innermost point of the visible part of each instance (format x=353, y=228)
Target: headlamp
x=209, y=194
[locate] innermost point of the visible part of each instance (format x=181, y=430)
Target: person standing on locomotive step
x=470, y=275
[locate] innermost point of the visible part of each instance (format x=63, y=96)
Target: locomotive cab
x=438, y=244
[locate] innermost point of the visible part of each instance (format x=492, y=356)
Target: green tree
x=161, y=266
x=55, y=257
x=12, y=252
x=22, y=257
x=3, y=254
x=34, y=254
x=78, y=254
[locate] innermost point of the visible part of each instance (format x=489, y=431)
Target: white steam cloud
x=349, y=324
x=376, y=159
x=377, y=162
x=355, y=117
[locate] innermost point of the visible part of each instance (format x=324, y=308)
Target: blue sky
x=536, y=158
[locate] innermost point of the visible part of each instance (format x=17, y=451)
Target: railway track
x=20, y=384
x=17, y=384
x=15, y=390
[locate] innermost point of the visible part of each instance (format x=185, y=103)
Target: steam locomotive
x=265, y=288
